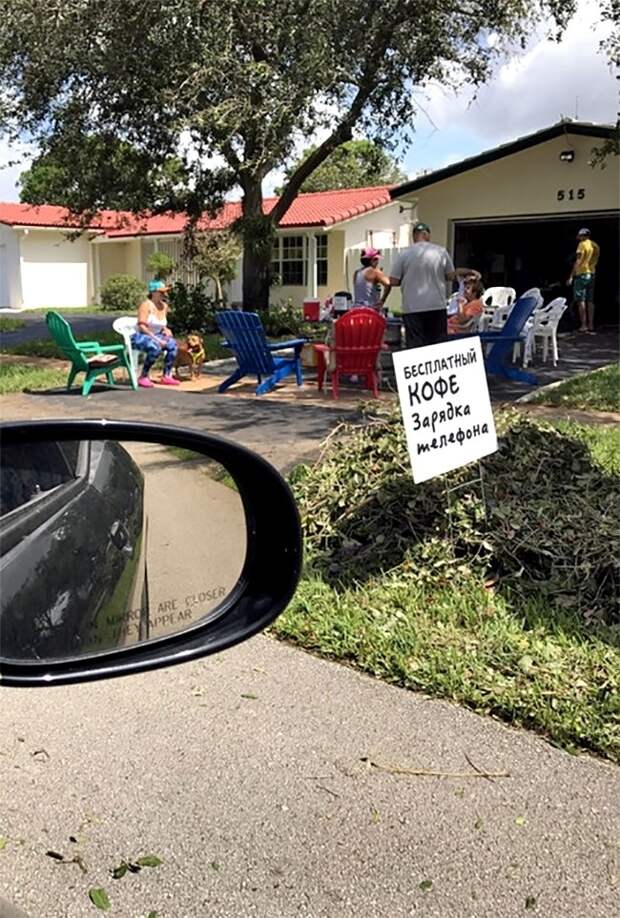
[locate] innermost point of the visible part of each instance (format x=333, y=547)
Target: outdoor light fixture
x=567, y=156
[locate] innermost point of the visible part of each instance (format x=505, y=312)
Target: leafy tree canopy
x=226, y=89
x=355, y=164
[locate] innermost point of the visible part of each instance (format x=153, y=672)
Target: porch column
x=312, y=269
x=96, y=270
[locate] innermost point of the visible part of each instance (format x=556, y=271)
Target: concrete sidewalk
x=247, y=775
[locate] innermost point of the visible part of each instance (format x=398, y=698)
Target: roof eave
x=601, y=131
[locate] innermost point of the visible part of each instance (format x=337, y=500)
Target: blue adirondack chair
x=245, y=336
x=502, y=341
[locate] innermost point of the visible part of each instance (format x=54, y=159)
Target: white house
x=45, y=261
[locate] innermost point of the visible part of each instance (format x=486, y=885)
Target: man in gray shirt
x=422, y=271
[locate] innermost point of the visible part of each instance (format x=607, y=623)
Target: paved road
x=244, y=774
x=36, y=328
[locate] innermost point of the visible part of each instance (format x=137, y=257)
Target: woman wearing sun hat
x=153, y=336
x=368, y=280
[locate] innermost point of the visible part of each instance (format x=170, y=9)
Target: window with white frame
x=289, y=261
x=294, y=261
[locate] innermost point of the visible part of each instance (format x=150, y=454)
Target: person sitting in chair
x=469, y=307
x=153, y=336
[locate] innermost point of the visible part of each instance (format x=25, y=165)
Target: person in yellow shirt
x=582, y=277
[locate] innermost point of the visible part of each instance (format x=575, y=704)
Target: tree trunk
x=256, y=251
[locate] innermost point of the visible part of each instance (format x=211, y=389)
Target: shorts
x=422, y=328
x=583, y=288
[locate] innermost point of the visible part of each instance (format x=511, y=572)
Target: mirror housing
x=266, y=584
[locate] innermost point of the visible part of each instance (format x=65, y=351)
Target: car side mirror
x=129, y=546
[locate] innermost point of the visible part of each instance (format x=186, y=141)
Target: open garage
x=513, y=212
x=530, y=251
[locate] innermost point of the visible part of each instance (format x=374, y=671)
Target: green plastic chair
x=87, y=357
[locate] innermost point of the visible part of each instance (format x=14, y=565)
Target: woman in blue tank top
x=368, y=280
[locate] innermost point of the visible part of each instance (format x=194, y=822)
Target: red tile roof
x=321, y=208
x=47, y=215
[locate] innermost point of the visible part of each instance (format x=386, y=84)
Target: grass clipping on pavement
x=516, y=616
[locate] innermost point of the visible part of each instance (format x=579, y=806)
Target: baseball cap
x=421, y=228
x=584, y=231
x=371, y=253
x=156, y=285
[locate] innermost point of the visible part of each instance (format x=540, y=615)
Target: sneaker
x=145, y=382
x=169, y=381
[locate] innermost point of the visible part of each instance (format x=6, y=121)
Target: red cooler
x=312, y=310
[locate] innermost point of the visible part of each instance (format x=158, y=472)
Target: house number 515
x=571, y=194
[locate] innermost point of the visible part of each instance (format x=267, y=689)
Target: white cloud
x=548, y=81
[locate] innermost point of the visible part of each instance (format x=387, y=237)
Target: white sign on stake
x=444, y=399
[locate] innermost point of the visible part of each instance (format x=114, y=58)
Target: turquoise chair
x=88, y=357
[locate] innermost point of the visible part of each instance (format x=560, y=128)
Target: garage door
x=538, y=251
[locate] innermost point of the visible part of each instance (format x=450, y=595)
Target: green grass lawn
x=595, y=391
x=384, y=590
x=45, y=347
x=10, y=325
x=16, y=378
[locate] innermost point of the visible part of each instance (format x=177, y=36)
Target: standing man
x=582, y=277
x=423, y=271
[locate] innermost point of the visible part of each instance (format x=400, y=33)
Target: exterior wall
x=385, y=228
x=133, y=257
x=10, y=269
x=112, y=259
x=54, y=269
x=525, y=183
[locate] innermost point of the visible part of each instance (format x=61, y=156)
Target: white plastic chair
x=126, y=326
x=545, y=325
x=494, y=300
x=527, y=339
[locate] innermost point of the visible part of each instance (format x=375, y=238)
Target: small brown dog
x=191, y=353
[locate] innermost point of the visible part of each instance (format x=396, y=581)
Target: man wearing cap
x=582, y=277
x=422, y=271
x=153, y=336
x=368, y=280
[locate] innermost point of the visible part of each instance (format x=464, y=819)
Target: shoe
x=145, y=382
x=169, y=381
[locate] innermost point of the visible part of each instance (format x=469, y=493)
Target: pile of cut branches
x=545, y=521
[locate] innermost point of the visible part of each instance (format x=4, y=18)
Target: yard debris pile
x=547, y=521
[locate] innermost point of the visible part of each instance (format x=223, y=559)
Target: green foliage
x=547, y=525
x=214, y=255
x=355, y=164
x=10, y=325
x=122, y=292
x=160, y=265
x=19, y=378
x=283, y=318
x=113, y=111
x=516, y=616
x=87, y=172
x=191, y=310
x=595, y=391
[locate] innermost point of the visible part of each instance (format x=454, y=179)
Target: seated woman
x=469, y=307
x=153, y=335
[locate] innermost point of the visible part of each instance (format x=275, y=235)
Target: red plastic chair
x=358, y=337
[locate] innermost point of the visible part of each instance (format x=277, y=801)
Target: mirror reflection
x=104, y=544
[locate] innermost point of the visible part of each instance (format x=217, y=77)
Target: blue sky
x=527, y=93
x=530, y=91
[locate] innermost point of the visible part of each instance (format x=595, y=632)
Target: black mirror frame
x=266, y=584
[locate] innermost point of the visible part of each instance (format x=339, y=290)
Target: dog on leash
x=191, y=353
